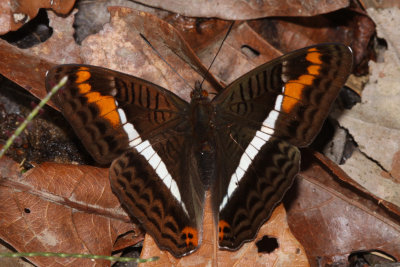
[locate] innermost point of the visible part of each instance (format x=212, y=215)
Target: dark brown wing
x=144, y=130
x=262, y=117
x=169, y=205
x=95, y=100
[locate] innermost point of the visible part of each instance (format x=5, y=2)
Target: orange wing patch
x=84, y=88
x=82, y=76
x=108, y=110
x=314, y=69
x=292, y=94
x=313, y=56
x=294, y=88
x=190, y=236
x=223, y=227
x=305, y=79
x=288, y=104
x=105, y=104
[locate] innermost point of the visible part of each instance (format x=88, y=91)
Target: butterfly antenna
x=219, y=49
x=155, y=50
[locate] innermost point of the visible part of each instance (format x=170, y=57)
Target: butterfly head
x=198, y=92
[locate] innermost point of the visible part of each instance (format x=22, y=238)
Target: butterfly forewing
x=102, y=106
x=145, y=130
x=265, y=114
x=299, y=88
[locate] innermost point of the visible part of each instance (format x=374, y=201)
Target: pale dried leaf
x=242, y=10
x=375, y=122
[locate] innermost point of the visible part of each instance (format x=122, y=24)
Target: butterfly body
x=203, y=133
x=241, y=146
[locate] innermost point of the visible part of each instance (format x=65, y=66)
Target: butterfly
x=241, y=145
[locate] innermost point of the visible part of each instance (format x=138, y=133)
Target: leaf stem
x=76, y=255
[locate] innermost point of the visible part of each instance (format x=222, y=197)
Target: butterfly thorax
x=201, y=117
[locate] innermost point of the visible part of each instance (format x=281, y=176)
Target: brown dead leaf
x=351, y=26
x=17, y=63
x=60, y=208
x=131, y=54
x=270, y=37
x=14, y=14
x=279, y=35
x=242, y=10
x=289, y=253
x=233, y=61
x=199, y=33
x=332, y=216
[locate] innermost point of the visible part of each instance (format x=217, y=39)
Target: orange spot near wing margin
x=190, y=235
x=222, y=226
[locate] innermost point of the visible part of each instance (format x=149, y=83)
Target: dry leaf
x=60, y=208
x=375, y=122
x=332, y=216
x=351, y=26
x=242, y=10
x=131, y=54
x=17, y=63
x=15, y=14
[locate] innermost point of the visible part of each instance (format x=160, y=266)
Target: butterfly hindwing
x=261, y=188
x=167, y=213
x=143, y=129
x=263, y=116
